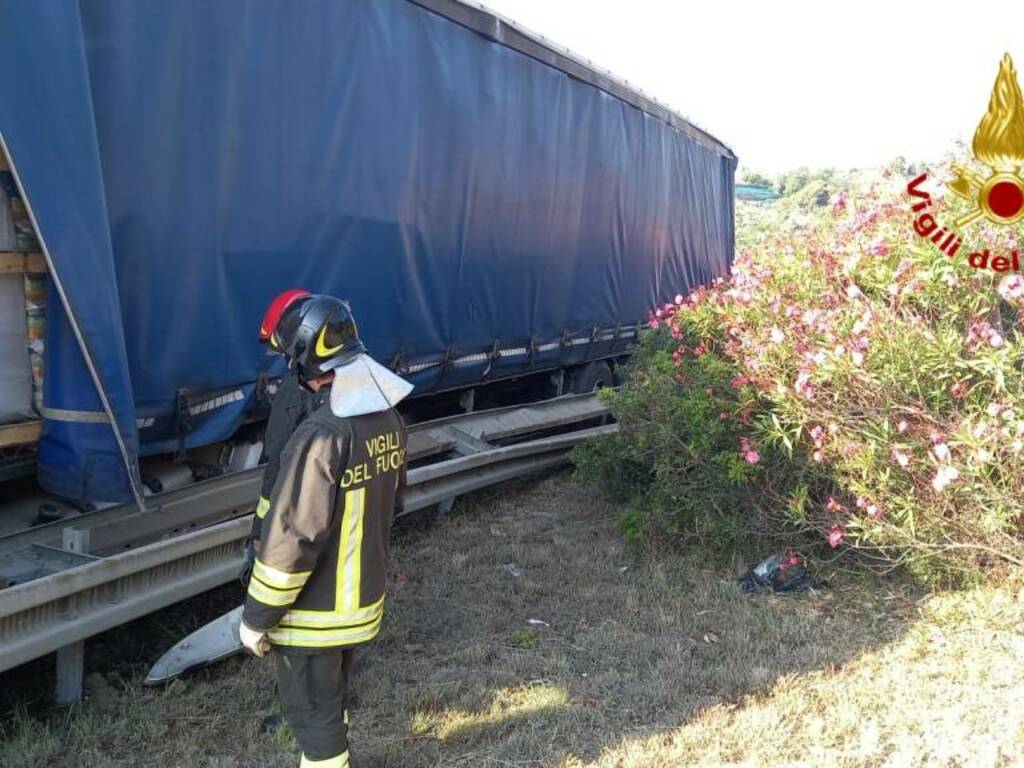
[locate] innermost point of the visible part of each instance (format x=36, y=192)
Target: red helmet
x=273, y=314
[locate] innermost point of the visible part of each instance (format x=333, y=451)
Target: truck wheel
x=592, y=377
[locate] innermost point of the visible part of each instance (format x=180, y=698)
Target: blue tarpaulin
x=482, y=209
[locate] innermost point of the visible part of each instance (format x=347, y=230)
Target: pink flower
x=834, y=506
x=777, y=336
x=803, y=385
x=873, y=511
x=752, y=457
x=958, y=390
x=817, y=433
x=902, y=426
x=835, y=536
x=944, y=477
x=1011, y=288
x=818, y=456
x=982, y=332
x=679, y=298
x=941, y=451
x=900, y=457
x=857, y=357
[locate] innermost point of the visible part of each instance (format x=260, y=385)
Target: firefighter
x=291, y=405
x=317, y=587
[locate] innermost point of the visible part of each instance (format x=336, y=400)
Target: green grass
x=650, y=659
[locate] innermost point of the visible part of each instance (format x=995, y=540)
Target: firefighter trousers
x=313, y=688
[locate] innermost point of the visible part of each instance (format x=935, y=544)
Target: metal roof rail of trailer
x=490, y=24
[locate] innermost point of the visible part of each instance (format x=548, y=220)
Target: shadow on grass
x=635, y=646
x=520, y=631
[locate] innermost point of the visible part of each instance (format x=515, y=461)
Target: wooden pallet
x=15, y=262
x=22, y=433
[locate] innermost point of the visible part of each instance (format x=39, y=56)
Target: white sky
x=788, y=83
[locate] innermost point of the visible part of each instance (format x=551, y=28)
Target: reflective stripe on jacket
x=319, y=579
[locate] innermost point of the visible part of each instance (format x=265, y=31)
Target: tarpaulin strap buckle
x=615, y=338
x=531, y=351
x=593, y=337
x=563, y=342
x=182, y=420
x=398, y=364
x=261, y=400
x=492, y=358
x=448, y=360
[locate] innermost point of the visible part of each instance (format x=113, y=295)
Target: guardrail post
x=558, y=381
x=70, y=665
x=71, y=658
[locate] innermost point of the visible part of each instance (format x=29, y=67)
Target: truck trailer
x=494, y=208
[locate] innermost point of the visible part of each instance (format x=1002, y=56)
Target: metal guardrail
x=58, y=611
x=45, y=615
x=118, y=528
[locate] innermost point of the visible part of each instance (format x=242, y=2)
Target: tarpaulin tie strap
x=532, y=350
x=398, y=364
x=493, y=357
x=448, y=361
x=182, y=420
x=262, y=398
x=594, y=333
x=615, y=338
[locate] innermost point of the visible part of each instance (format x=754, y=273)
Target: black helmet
x=317, y=334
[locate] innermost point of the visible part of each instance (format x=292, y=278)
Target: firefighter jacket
x=318, y=582
x=292, y=405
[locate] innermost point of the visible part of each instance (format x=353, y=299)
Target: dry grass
x=653, y=660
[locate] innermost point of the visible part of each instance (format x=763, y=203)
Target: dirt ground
x=522, y=632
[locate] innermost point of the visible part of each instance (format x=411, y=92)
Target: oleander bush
x=847, y=380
